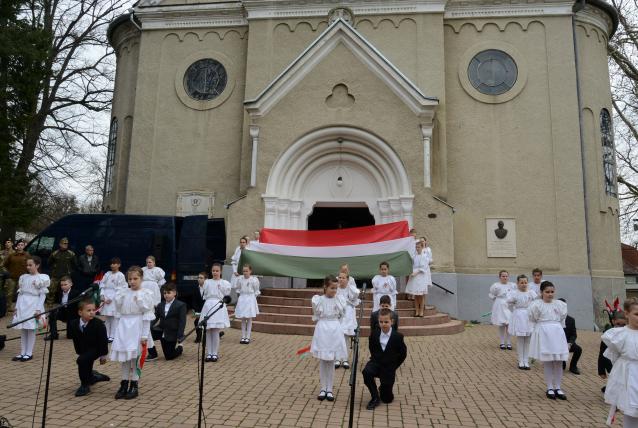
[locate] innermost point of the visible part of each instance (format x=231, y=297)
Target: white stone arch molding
x=305, y=176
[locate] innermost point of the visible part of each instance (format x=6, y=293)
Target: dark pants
x=53, y=323
x=577, y=351
x=85, y=366
x=169, y=349
x=373, y=370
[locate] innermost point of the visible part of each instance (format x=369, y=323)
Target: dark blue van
x=182, y=246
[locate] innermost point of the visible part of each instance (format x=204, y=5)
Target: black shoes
x=99, y=377
x=502, y=347
x=550, y=394
x=214, y=358
x=373, y=403
x=575, y=371
x=208, y=358
x=121, y=393
x=560, y=394
x=82, y=391
x=322, y=395
x=17, y=358
x=132, y=390
x=330, y=396
x=345, y=365
x=509, y=347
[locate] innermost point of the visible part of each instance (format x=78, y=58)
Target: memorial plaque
x=501, y=237
x=195, y=203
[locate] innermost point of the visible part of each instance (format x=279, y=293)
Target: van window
x=42, y=247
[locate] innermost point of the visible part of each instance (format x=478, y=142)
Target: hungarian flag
x=316, y=253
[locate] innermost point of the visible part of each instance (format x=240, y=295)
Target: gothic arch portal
x=337, y=166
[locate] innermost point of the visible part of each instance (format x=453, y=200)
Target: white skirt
x=246, y=306
x=418, y=285
x=501, y=314
x=328, y=341
x=621, y=391
x=349, y=321
x=108, y=309
x=220, y=319
x=548, y=342
x=519, y=323
x=127, y=337
x=26, y=306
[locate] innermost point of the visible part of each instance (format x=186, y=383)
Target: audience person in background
x=16, y=265
x=62, y=262
x=89, y=267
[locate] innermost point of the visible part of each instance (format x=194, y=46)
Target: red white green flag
x=316, y=253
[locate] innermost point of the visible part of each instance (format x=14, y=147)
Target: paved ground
x=462, y=380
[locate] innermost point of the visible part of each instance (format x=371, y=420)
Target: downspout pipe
x=578, y=6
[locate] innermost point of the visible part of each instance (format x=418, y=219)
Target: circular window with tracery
x=492, y=72
x=205, y=79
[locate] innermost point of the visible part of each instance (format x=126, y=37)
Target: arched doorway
x=337, y=167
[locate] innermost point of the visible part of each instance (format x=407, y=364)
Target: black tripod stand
x=202, y=324
x=89, y=291
x=355, y=357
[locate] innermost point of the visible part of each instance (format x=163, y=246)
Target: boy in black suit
x=387, y=353
x=170, y=316
x=384, y=302
x=67, y=313
x=90, y=343
x=198, y=303
x=574, y=348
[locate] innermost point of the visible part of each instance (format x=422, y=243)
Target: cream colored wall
x=127, y=46
x=376, y=109
x=604, y=229
x=519, y=158
x=179, y=148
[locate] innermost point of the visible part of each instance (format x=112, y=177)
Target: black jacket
x=374, y=321
x=395, y=351
x=198, y=301
x=570, y=330
x=93, y=338
x=173, y=323
x=88, y=268
x=69, y=312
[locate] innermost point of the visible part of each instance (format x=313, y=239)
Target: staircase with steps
x=289, y=311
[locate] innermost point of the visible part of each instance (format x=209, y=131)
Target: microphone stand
x=93, y=289
x=355, y=357
x=202, y=325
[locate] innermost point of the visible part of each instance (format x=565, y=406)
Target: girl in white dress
x=246, y=309
x=500, y=310
x=548, y=343
x=520, y=326
x=419, y=279
x=234, y=260
x=110, y=283
x=622, y=349
x=384, y=284
x=349, y=324
x=328, y=341
x=135, y=308
x=214, y=291
x=32, y=290
x=153, y=272
x=346, y=269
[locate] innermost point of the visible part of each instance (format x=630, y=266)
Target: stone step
x=307, y=319
x=296, y=301
x=307, y=293
x=450, y=327
x=307, y=310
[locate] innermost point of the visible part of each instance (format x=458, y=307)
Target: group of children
x=531, y=313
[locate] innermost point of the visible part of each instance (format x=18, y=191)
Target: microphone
x=226, y=300
x=94, y=288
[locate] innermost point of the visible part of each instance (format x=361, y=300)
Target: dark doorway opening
x=328, y=218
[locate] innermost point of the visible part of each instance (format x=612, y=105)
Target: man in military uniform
x=62, y=262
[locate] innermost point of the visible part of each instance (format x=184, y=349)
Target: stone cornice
x=596, y=17
x=495, y=9
x=269, y=9
x=192, y=16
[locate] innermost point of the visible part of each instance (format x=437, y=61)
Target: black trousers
x=169, y=349
x=85, y=366
x=53, y=323
x=577, y=351
x=386, y=376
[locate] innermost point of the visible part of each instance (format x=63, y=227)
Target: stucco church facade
x=486, y=125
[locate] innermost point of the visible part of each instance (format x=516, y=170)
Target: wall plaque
x=195, y=203
x=501, y=237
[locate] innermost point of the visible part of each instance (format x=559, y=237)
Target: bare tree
x=64, y=125
x=623, y=64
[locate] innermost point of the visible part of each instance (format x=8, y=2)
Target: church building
x=485, y=124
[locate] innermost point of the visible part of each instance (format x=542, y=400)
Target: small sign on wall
x=195, y=203
x=501, y=237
